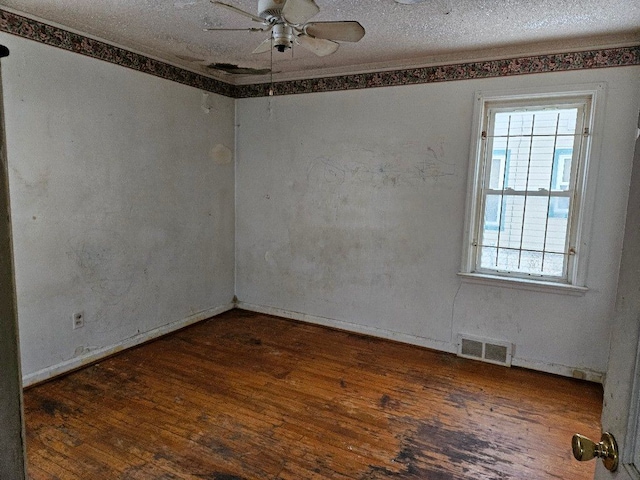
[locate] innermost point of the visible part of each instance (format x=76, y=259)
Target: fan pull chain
x=271, y=69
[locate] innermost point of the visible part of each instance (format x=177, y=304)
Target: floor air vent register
x=485, y=349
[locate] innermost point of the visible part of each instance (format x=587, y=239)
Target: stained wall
x=122, y=191
x=345, y=208
x=351, y=207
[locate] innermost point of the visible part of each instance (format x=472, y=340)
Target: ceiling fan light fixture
x=282, y=37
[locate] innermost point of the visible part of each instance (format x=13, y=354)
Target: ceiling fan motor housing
x=282, y=37
x=270, y=8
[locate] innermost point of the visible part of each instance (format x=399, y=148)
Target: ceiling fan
x=288, y=22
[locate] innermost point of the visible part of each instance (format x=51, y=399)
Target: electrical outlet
x=78, y=320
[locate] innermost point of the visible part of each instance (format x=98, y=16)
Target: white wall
x=122, y=192
x=350, y=212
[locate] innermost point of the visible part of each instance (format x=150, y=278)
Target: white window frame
x=575, y=283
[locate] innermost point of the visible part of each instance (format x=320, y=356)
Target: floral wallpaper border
x=560, y=62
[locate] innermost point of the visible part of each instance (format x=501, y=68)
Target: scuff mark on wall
x=381, y=169
x=83, y=350
x=221, y=155
x=104, y=263
x=204, y=104
x=38, y=185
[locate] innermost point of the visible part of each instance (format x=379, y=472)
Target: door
x=622, y=386
x=12, y=465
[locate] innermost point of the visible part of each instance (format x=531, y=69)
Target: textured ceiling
x=397, y=35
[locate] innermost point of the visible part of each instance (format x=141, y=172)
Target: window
x=529, y=177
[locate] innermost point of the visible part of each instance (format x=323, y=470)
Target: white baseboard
x=102, y=352
x=96, y=355
x=449, y=347
x=557, y=369
x=351, y=327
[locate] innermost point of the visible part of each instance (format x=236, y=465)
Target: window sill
x=523, y=284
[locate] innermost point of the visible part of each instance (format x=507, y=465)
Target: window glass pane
x=520, y=123
x=553, y=264
x=564, y=142
x=567, y=121
x=529, y=262
x=501, y=124
x=561, y=174
x=524, y=262
x=534, y=228
x=556, y=241
x=547, y=121
x=542, y=154
x=531, y=141
x=500, y=144
x=519, y=227
x=488, y=257
x=495, y=177
x=492, y=219
x=498, y=167
x=538, y=122
x=507, y=260
x=512, y=221
x=559, y=207
x=518, y=164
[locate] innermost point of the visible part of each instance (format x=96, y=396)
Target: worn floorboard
x=250, y=396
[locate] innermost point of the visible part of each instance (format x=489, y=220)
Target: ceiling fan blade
x=234, y=29
x=319, y=46
x=264, y=46
x=341, y=31
x=299, y=11
x=253, y=17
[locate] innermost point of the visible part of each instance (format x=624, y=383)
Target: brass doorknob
x=585, y=449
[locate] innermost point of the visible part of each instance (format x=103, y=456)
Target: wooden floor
x=249, y=396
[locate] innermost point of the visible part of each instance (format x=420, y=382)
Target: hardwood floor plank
x=250, y=396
